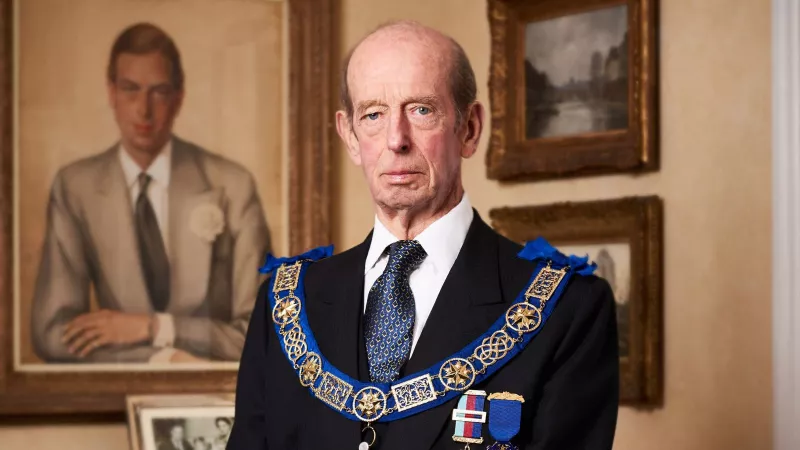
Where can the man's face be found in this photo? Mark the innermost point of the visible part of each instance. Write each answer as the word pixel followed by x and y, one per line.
pixel 403 127
pixel 177 433
pixel 223 428
pixel 144 100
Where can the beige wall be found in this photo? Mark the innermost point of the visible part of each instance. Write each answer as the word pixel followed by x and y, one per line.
pixel 65 437
pixel 715 181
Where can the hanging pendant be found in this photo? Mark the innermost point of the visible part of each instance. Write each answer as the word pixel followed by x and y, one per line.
pixel 505 413
pixel 364 445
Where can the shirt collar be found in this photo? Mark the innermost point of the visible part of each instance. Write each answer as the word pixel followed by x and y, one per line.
pixel 442 240
pixel 159 170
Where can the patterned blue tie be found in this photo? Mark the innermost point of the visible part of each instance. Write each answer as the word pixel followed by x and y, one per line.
pixel 389 318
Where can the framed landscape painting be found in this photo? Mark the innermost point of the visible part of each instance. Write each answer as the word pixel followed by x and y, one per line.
pixel 573 87
pixel 624 238
pixel 153 153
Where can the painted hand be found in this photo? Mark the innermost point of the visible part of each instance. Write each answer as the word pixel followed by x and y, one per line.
pixel 94 330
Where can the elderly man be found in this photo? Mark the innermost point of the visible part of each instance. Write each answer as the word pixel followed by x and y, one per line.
pixel 435 332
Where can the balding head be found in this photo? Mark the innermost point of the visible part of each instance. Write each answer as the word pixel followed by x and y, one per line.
pixel 409 118
pixel 460 76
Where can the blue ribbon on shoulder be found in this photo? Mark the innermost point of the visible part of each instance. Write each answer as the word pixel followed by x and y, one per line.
pixel 539 248
pixel 314 254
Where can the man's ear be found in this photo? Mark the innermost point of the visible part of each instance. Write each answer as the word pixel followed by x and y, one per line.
pixel 178 102
pixel 471 130
pixel 345 129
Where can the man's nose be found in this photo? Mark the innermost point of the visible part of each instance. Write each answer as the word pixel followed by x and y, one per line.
pixel 397 136
pixel 144 105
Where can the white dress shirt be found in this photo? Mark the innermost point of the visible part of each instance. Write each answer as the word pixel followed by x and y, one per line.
pixel 442 241
pixel 158 194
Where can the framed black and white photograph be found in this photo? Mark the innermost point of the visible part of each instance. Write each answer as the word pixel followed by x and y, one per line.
pixel 184 422
pixel 573 88
pixel 576 73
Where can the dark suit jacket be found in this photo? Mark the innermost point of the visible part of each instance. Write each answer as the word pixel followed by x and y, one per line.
pixel 568 374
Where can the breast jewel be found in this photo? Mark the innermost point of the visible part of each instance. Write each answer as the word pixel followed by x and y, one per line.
pixel 418 392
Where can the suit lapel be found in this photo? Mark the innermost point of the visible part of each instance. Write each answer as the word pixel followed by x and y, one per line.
pixel 471 299
pixel 335 300
pixel 334 292
pixel 117 250
pixel 192 206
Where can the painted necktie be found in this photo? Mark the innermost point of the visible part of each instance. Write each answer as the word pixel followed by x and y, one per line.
pixel 391 312
pixel 153 255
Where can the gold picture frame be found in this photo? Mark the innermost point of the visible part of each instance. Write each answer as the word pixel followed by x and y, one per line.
pixel 573 88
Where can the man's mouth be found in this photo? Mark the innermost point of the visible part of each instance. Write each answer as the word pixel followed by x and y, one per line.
pixel 401 176
pixel 143 129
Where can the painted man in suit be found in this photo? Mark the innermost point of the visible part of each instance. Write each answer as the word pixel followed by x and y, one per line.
pixel 168 235
pixel 409 117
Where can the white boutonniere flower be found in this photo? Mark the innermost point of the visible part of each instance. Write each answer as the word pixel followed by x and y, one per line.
pixel 207 221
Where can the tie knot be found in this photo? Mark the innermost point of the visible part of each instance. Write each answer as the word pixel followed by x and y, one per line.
pixel 405 256
pixel 144 181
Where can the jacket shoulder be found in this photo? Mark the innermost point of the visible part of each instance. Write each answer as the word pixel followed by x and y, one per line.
pixel 590 289
pixel 337 266
pixel 216 164
pixel 83 172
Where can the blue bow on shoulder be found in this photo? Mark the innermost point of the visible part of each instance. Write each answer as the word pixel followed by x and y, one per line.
pixel 539 248
pixel 314 254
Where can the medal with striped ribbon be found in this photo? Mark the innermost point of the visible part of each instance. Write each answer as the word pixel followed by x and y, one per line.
pixel 468 418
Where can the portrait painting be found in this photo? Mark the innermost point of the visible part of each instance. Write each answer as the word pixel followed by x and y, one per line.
pixel 156 158
pixel 190 422
pixel 623 238
pixel 572 88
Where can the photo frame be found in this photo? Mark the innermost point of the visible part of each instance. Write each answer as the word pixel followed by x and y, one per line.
pixel 268 112
pixel 573 88
pixel 199 421
pixel 625 238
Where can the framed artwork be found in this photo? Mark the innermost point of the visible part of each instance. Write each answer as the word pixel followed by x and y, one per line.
pixel 573 87
pixel 168 422
pixel 624 238
pixel 153 153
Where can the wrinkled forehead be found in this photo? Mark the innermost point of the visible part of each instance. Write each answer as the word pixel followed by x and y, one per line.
pixel 389 68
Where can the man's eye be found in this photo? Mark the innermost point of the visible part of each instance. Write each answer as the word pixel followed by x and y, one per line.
pixel 423 110
pixel 162 91
pixel 372 116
